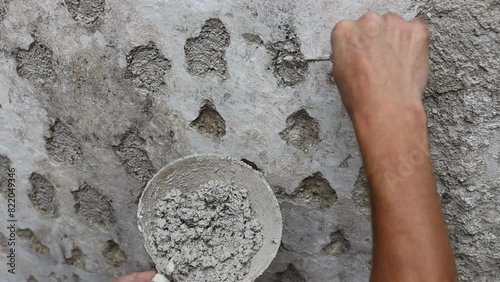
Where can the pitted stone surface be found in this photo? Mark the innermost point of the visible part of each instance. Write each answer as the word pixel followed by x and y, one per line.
pixel 463 105
pixel 85 97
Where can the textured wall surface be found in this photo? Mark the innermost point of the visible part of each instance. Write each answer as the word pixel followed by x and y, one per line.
pixel 97 95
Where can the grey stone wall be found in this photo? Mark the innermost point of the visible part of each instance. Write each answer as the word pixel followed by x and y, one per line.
pixel 96 96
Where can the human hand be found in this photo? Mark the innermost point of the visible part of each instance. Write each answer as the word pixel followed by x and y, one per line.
pixel 381 65
pixel 145 276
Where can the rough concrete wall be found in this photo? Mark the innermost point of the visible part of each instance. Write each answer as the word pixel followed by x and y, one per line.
pixel 97 95
pixel 463 103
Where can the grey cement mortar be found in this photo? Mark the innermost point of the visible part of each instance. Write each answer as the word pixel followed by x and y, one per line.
pixel 30 238
pixel 209 122
pixel 192 173
pixel 3 244
pixel 43 195
pixel 146 67
pixel 206 53
pixel 5 165
pixel 209 234
pixel 314 191
pixel 35 63
pixel 133 156
pixel 338 244
pixel 114 254
pixel 290 66
pixel 75 258
pixel 3 9
pixel 302 131
pixel 360 194
pixel 290 274
pixel 93 206
pixel 62 144
pixel 79 79
pixel 85 12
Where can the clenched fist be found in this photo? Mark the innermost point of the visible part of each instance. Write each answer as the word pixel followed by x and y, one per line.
pixel 380 64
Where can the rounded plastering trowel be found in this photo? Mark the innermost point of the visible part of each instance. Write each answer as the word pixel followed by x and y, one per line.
pixel 196 170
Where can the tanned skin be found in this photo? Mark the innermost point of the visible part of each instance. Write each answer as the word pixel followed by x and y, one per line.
pixel 145 276
pixel 381 66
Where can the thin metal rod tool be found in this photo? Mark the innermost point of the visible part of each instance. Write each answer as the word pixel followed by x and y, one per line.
pixel 322 59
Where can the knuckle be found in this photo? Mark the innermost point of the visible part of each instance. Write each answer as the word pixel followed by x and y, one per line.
pixel 395 22
pixel 371 24
pixel 422 29
pixel 393 18
pixel 339 28
pixel 370 16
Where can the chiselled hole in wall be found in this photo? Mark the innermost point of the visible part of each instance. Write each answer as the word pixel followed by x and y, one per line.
pixel 345 162
pixel 302 131
pixel 338 244
pixel 42 195
pixel 206 54
pixel 291 274
pixel 113 254
pixel 76 258
pixel 446 198
pixel 85 12
pixel 35 64
pixel 3 9
pixel 331 78
pixel 360 194
pixel 76 278
pixel 209 122
pixel 62 145
pixel 146 67
pixel 32 279
pixel 252 164
pixel 131 152
pixel 93 205
pixel 289 65
pixel 54 277
pixel 315 190
pixel 29 236
pixel 3 244
pixel 253 38
pixel 5 164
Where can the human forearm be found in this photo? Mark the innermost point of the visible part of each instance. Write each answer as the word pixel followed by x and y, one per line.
pixel 381 65
pixel 410 237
